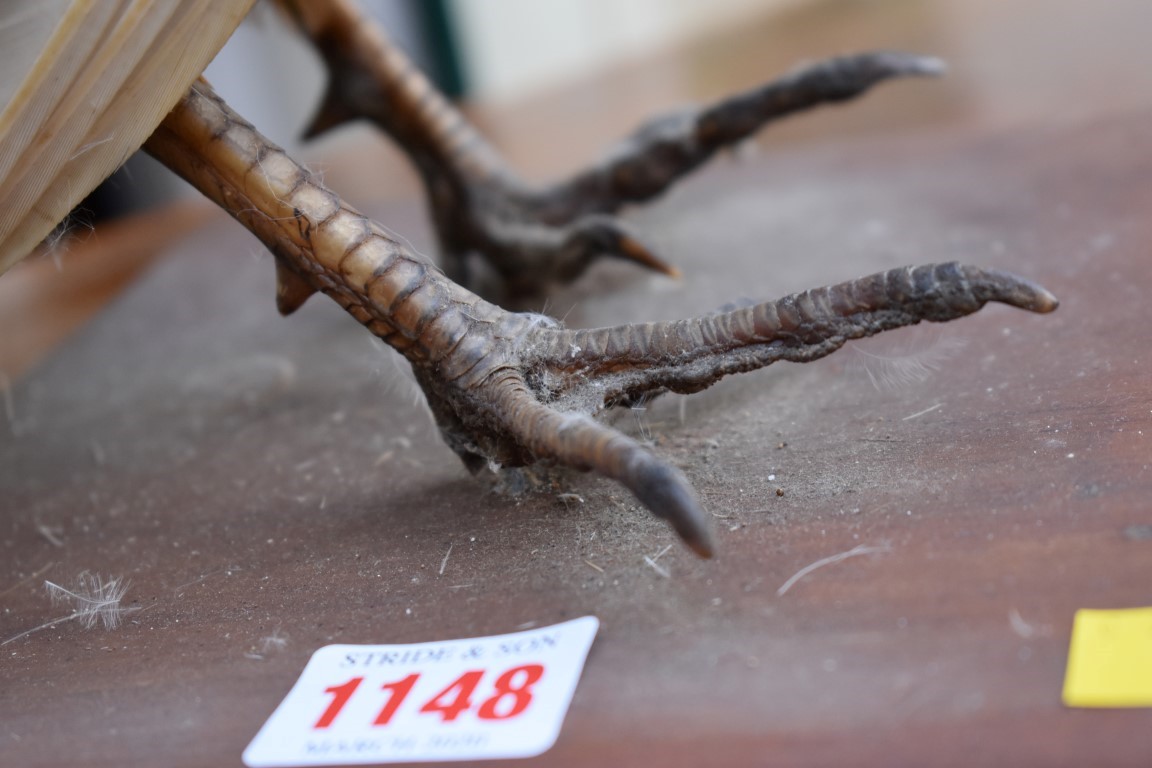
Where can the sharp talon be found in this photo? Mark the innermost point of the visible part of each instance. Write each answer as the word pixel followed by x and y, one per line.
pixel 894 63
pixel 332 114
pixel 697 537
pixel 927 66
pixel 702 547
pixel 597 236
pixel 292 290
pixel 635 251
pixel 1022 293
pixel 1045 302
pixel 666 492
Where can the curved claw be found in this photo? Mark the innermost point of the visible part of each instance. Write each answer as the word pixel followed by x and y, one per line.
pixel 595 236
pixel 1016 291
pixel 576 440
pixel 531 257
pixel 665 491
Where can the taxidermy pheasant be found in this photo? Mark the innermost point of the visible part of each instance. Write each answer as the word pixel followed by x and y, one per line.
pixel 90 81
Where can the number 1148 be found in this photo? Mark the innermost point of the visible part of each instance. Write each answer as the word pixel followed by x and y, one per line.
pixel 512 695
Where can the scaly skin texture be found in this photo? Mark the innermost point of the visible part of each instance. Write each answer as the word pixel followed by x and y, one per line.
pixel 518 388
pixel 535 236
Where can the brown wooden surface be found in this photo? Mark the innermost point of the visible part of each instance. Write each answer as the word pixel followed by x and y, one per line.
pixel 257 477
pixel 45 299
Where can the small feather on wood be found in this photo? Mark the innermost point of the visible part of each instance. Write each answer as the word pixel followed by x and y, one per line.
pixel 93 599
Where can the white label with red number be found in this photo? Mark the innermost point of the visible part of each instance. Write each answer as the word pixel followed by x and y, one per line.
pixel 488 697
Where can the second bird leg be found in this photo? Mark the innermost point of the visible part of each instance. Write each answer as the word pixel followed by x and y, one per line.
pixel 534 236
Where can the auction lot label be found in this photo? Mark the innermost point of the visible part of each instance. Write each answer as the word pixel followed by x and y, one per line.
pixel 483 698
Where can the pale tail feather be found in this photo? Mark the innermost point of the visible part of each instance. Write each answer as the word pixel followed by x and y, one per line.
pixel 86 86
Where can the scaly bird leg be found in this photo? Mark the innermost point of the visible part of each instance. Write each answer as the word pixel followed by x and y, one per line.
pixel 518 388
pixel 534 236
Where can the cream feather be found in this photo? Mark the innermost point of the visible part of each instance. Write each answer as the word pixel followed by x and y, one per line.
pixel 84 83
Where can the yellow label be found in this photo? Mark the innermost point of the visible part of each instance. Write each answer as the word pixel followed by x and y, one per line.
pixel 1110 659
